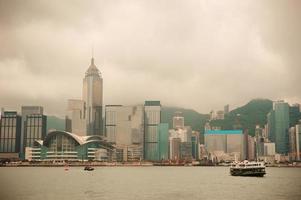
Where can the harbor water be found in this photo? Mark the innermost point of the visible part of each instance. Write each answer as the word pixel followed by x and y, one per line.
pixel 146 183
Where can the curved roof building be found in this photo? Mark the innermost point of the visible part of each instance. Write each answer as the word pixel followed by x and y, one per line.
pixel 62 145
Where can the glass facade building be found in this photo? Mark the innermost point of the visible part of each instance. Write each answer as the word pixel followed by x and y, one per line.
pixel 227 141
pixel 10 133
pixel 34 129
pixel 93 98
pixel 152 118
pixel 163 141
pixel 61 145
pixel 278 126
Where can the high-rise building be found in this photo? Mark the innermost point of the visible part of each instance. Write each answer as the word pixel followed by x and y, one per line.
pixel 93 97
pixel 271 126
pixel 251 148
pixel 84 117
pixel 259 139
pixel 10 135
pixel 195 144
pixel 163 141
pixel 269 149
pixel 152 118
pixel 226 109
pixel 178 120
pixel 298 140
pixel 226 141
pixel 124 125
pixel 174 148
pixel 76 117
pixel 278 125
pixel 295 142
pixel 34 124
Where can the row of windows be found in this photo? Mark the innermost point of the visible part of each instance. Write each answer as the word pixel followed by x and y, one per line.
pixel 8 132
pixel 8 145
pixel 111 117
pixel 34 121
pixel 152 117
pixel 8 121
pixel 60 143
pixel 29 142
pixel 34 132
pixel 151 151
pixel 151 134
pixel 111 133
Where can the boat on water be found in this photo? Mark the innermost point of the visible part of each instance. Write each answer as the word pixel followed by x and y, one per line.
pixel 247 168
pixel 88 168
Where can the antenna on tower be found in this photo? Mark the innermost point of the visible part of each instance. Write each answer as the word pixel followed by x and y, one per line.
pixel 92 50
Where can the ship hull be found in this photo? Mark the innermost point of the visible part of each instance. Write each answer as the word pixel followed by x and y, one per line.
pixel 258 172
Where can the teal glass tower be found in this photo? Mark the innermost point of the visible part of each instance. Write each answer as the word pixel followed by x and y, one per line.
pixel 163 141
pixel 281 126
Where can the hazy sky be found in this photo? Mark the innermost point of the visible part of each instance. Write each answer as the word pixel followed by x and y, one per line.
pixel 194 54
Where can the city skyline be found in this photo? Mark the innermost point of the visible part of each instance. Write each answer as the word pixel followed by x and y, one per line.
pixel 197 54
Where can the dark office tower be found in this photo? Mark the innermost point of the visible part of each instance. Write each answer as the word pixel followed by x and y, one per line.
pixel 152 119
pixel 278 125
pixel 93 98
pixel 10 135
pixel 33 126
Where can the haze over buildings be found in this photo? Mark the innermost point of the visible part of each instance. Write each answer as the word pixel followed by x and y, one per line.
pixel 195 54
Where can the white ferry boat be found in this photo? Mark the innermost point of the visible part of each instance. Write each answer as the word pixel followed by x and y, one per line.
pixel 247 168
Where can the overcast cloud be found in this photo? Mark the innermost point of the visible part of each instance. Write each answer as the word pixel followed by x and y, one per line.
pixel 193 54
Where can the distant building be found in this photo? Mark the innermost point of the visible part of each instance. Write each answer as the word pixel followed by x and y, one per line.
pixel 226 109
pixel 195 144
pixel 10 134
pixel 251 148
pixel 174 148
pixel 152 118
pixel 178 120
pixel 185 151
pixel 226 141
pixel 185 136
pixel 93 97
pixel 61 145
pixel 269 149
pixel 124 127
pixel 163 141
pixel 84 117
pixel 295 142
pixel 76 117
pixel 259 139
pixel 278 125
pixel 34 124
pixel 298 141
pixel 220 115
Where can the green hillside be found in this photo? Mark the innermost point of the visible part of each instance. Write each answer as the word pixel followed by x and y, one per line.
pixel 246 117
pixel 54 122
pixel 192 118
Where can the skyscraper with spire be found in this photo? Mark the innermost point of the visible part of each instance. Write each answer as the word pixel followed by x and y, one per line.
pixel 93 97
pixel 84 117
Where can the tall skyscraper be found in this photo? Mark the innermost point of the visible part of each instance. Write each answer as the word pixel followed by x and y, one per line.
pixel 278 126
pixel 10 135
pixel 195 144
pixel 93 97
pixel 34 124
pixel 163 141
pixel 226 141
pixel 226 109
pixel 178 120
pixel 152 119
pixel 124 124
pixel 84 117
